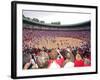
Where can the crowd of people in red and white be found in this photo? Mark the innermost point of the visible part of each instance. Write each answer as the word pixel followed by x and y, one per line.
pixel 69 56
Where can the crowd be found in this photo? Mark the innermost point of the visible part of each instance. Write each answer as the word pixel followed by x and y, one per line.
pixel 55 57
pixel 53 39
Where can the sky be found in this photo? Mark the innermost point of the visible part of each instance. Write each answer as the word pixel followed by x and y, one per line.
pixel 66 18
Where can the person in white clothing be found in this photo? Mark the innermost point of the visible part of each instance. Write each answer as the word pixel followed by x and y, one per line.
pixel 68 62
pixel 54 65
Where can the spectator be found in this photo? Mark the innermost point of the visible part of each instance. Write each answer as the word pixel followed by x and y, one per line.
pixel 54 62
pixel 68 63
pixel 42 60
pixel 78 61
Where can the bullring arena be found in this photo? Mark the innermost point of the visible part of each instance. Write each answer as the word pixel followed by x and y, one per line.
pixel 48 43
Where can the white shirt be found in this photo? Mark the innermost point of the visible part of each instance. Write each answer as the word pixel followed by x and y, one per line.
pixel 54 65
pixel 69 64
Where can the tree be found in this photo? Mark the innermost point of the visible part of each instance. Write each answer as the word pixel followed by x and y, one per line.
pixel 28 18
pixel 23 16
pixel 58 23
pixel 35 19
pixel 42 22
